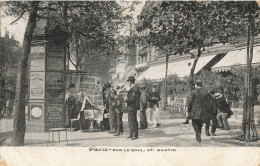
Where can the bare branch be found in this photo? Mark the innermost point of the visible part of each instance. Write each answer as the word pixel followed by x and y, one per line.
pixel 18 17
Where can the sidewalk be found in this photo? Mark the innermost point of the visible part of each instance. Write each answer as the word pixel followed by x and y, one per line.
pixel 170 133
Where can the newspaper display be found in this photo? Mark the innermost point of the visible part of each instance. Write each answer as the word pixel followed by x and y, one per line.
pixel 92 87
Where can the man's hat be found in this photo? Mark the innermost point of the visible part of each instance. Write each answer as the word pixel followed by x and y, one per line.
pixel 131 78
pixel 142 86
pixel 117 87
pixel 218 95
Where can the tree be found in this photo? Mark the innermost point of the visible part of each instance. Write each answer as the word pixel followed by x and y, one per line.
pixel 95 21
pixel 19 116
pixel 178 28
pixel 181 27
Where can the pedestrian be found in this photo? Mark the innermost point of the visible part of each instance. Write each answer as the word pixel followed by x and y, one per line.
pixel 71 106
pixel 224 111
pixel 118 106
pixel 82 123
pixel 211 115
pixel 197 107
pixel 105 93
pixel 112 113
pixel 143 106
pixel 154 98
pixel 133 104
pixel 187 119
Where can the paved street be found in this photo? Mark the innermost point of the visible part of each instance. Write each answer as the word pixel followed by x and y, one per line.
pixel 170 133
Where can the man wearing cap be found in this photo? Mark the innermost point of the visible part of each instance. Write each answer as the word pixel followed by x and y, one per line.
pixel 133 104
pixel 143 107
pixel 154 98
pixel 197 107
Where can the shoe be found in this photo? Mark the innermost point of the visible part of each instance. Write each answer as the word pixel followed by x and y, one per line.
pixel 129 137
pixel 158 124
pixel 116 134
pixel 207 134
pixel 198 137
pixel 186 122
pixel 221 128
pixel 134 138
pixel 227 129
pixel 213 134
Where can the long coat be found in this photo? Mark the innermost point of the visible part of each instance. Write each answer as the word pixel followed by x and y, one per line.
pixel 198 103
pixel 133 99
pixel 212 108
pixel 118 103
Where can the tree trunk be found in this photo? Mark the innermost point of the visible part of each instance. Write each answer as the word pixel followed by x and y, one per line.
pixel 191 78
pixel 166 82
pixel 249 132
pixel 77 53
pixel 2 64
pixel 19 116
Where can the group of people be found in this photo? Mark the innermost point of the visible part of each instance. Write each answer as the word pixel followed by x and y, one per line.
pixel 76 104
pixel 137 98
pixel 203 107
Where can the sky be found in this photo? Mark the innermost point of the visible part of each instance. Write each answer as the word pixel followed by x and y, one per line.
pixel 18 28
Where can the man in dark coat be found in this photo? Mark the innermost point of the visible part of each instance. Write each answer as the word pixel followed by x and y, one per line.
pixel 133 104
pixel 118 105
pixel 211 115
pixel 112 113
pixel 143 107
pixel 197 107
pixel 224 111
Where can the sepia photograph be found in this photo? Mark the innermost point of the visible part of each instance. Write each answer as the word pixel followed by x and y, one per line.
pixel 139 76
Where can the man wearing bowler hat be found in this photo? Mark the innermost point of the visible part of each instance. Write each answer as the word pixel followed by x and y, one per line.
pixel 197 107
pixel 133 104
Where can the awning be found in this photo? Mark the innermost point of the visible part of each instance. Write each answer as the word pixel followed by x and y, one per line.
pixel 237 58
pixel 180 68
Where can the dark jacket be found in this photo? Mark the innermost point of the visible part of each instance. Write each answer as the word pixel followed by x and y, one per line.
pixel 118 103
pixel 144 100
pixel 223 106
pixel 198 103
pixel 212 108
pixel 133 99
pixel 111 98
pixel 154 98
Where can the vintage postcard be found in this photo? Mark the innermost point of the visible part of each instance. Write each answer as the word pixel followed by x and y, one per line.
pixel 129 83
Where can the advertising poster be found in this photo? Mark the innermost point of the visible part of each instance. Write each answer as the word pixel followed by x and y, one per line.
pixel 98 115
pixel 37 58
pixel 54 85
pixel 54 112
pixel 89 114
pixel 36 85
pixel 55 59
pixel 36 111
